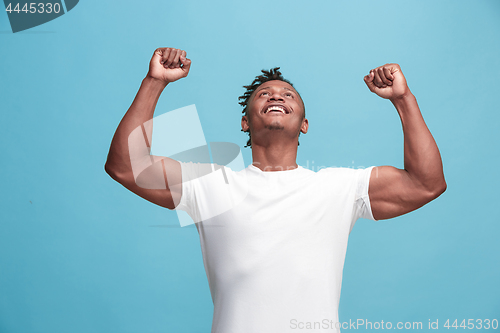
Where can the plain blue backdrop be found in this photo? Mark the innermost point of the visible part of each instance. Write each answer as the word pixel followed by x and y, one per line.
pixel 80 253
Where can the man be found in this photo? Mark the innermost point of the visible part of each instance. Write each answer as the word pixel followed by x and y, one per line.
pixel 274 263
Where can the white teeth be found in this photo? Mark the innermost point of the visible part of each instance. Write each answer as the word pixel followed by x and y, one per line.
pixel 275 108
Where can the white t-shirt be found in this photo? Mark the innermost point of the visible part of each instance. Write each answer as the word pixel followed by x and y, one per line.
pixel 274 243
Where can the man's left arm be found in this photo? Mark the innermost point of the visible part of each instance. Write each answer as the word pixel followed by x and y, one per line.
pixel 393 191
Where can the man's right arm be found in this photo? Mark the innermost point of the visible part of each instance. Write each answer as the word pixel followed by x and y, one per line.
pixel 154 178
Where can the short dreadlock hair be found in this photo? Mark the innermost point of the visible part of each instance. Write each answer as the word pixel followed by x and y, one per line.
pixel 270 75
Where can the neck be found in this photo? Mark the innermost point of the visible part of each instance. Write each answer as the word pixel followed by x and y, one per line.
pixel 278 156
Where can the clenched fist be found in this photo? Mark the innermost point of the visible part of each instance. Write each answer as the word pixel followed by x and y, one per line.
pixel 169 65
pixel 387 82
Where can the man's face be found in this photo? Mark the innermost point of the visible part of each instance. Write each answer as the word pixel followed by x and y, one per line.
pixel 275 107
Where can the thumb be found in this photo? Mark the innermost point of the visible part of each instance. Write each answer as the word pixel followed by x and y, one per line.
pixel 186 63
pixel 157 55
pixel 369 81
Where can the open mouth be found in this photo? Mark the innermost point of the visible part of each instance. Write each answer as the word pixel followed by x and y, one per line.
pixel 276 108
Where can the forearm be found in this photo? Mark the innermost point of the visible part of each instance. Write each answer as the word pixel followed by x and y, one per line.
pixel 140 112
pixel 422 159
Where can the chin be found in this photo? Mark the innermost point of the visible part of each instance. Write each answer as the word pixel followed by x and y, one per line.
pixel 275 126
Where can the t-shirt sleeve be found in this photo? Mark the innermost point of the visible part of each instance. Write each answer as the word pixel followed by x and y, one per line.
pixel 191 173
pixel 209 190
pixel 363 207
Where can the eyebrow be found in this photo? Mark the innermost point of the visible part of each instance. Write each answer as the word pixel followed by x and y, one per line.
pixel 270 87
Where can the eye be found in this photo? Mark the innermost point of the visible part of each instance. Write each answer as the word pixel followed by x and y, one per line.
pixel 289 95
pixel 264 93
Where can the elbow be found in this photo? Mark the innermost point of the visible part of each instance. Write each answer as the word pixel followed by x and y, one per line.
pixel 108 169
pixel 111 171
pixel 444 187
pixel 120 176
pixel 437 190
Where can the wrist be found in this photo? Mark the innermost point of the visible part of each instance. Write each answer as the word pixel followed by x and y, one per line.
pixel 154 82
pixel 403 99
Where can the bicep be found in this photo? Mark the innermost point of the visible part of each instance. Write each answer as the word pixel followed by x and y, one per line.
pixel 393 192
pixel 158 181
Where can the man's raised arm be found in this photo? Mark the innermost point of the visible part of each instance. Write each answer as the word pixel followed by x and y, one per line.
pixel 129 161
pixel 393 191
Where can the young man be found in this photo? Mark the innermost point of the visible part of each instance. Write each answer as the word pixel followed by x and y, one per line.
pixel 274 263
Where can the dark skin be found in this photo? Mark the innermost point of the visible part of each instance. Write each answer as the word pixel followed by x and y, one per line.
pixel 164 68
pixel 394 191
pixel 275 133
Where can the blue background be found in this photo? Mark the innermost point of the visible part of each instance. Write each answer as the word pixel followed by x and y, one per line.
pixel 79 253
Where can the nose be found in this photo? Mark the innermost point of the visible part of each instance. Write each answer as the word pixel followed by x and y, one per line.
pixel 275 96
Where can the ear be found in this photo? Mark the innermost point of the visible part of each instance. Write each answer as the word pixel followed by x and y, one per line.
pixel 244 124
pixel 305 126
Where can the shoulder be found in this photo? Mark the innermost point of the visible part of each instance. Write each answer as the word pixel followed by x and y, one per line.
pixel 338 172
pixel 345 176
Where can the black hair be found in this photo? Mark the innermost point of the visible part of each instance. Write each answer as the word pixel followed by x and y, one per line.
pixel 270 75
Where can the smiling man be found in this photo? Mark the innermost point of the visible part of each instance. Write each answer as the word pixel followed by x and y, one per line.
pixel 274 115
pixel 274 254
